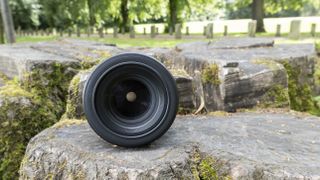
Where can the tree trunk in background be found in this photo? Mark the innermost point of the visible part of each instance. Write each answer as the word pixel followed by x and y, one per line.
pixel 173 14
pixel 1 31
pixel 92 19
pixel 124 15
pixel 7 21
pixel 258 14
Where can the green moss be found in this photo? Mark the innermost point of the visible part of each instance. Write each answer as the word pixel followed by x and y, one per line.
pixel 275 97
pixel 12 89
pixel 184 111
pixel 210 74
pixel 300 94
pixel 50 83
pixel 204 167
pixel 179 72
pixel 317 72
pixel 68 122
pixel 73 99
pixel 21 118
pixel 25 110
pixel 89 61
pixel 3 77
pixel 318 47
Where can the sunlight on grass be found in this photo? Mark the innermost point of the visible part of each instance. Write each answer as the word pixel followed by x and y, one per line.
pixel 36 38
pixel 166 41
pixel 140 42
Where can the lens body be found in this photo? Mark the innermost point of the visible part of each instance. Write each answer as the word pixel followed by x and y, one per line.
pixel 130 100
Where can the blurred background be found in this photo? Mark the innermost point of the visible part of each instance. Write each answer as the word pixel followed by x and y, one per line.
pixel 36 20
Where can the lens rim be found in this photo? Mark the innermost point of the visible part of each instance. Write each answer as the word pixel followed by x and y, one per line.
pixel 148 121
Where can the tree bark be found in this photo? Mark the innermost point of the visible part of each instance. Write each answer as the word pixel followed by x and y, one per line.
pixel 124 15
pixel 7 21
pixel 173 14
pixel 258 14
pixel 92 19
pixel 1 31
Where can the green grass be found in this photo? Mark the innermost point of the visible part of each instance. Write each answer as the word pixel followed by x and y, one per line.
pixel 35 38
pixel 141 42
pixel 121 42
pixel 318 46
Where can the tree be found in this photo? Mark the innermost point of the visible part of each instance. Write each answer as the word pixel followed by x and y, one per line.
pixel 25 13
pixel 258 9
pixel 1 31
pixel 175 10
pixel 258 14
pixel 179 10
pixel 124 11
pixel 7 21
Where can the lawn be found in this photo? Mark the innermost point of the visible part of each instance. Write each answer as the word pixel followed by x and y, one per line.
pixel 162 40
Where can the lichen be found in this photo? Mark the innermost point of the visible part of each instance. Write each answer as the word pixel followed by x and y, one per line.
pixel 210 74
pixel 205 167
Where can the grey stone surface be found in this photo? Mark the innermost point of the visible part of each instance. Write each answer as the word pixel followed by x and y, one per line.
pixel 250 145
pixel 16 60
pixel 248 69
pixel 252 27
pixel 226 43
pixel 177 31
pixel 295 29
pixel 209 30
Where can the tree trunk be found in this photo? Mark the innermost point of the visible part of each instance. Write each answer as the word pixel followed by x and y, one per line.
pixel 173 14
pixel 91 9
pixel 258 14
pixel 1 31
pixel 7 21
pixel 124 15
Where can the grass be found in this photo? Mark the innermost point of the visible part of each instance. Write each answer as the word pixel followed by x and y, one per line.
pixel 318 46
pixel 141 42
pixel 35 38
pixel 164 40
pixel 121 42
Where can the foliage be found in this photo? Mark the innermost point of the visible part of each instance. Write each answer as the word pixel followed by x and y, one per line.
pixel 26 13
pixel 273 8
